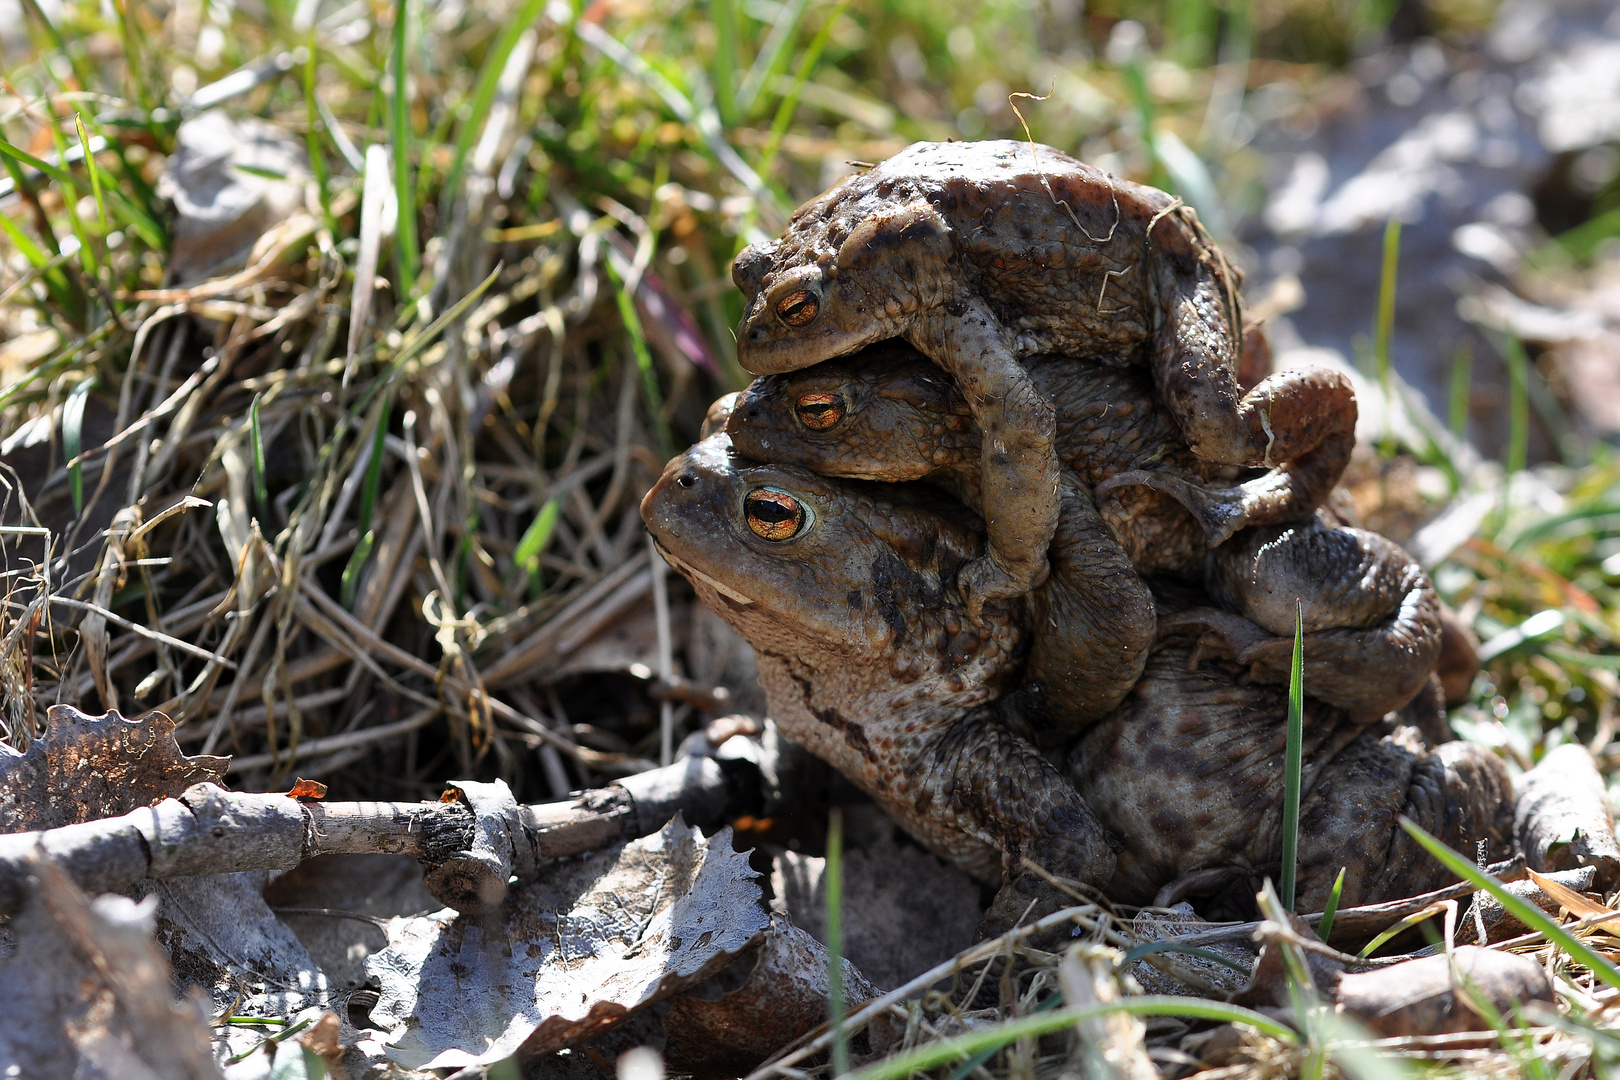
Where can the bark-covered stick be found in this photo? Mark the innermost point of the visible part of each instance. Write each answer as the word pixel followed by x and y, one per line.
pixel 1563 820
pixel 468 848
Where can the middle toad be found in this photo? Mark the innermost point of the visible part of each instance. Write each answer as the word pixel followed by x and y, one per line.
pixel 1371 617
pixel 982 253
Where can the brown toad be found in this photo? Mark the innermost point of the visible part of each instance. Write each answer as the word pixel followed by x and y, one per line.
pixel 1188 771
pixel 847 591
pixel 1371 615
pixel 848 594
pixel 980 254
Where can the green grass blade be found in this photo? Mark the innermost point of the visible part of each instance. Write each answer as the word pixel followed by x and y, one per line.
pixel 58 362
pixel 70 209
pixel 1190 179
pixel 643 355
pixel 256 437
pixel 1462 384
pixel 832 883
pixel 533 542
pixel 1291 764
pixel 1325 927
pixel 1189 29
pixel 428 336
pixel 725 60
pixel 1399 928
pixel 368 490
pixel 963 1070
pixel 31 251
pixel 1518 403
pixel 94 171
pixel 351 569
pixel 138 220
pixel 1385 327
pixel 312 136
pixel 1135 77
pixel 489 79
pixel 790 100
pixel 1527 913
pixel 773 58
pixel 945 1051
pixel 73 439
pixel 407 255
pixel 1149 948
pixel 43 21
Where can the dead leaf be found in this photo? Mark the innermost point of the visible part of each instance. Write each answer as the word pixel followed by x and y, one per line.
pixel 88 995
pixel 567 957
pixel 905 909
pixel 89 767
pixel 322 1037
pixel 231 180
pixel 1419 997
pixel 761 1003
pixel 307 789
pixel 223 938
pixel 1576 904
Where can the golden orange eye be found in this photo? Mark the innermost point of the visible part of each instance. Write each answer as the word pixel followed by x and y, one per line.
pixel 774 515
pixel 820 410
pixel 798 308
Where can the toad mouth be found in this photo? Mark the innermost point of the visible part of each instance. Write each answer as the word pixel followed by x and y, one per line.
pixel 687 568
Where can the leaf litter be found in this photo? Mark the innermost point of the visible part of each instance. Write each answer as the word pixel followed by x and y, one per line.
pixel 391 555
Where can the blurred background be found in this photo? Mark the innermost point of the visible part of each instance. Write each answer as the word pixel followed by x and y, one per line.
pixel 340 338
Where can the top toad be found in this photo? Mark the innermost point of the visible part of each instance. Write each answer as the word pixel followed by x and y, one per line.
pixel 982 253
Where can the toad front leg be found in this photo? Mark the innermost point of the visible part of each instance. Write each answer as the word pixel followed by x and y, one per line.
pixel 990 782
pixel 1094 625
pixel 1018 455
pixel 1282 420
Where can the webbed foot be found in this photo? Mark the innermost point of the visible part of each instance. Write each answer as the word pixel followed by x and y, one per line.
pixel 1219 511
pixel 1220 634
pixel 1289 494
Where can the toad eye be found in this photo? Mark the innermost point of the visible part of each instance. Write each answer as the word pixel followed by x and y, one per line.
pixel 774 515
pixel 820 410
pixel 798 308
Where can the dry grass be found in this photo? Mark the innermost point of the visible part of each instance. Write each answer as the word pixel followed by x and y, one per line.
pixel 347 508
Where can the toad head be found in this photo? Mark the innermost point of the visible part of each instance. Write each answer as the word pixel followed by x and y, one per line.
pixel 888 414
pixel 849 270
pixel 840 575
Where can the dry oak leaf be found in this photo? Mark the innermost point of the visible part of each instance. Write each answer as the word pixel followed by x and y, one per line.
pixel 567 957
pixel 89 996
pixel 88 767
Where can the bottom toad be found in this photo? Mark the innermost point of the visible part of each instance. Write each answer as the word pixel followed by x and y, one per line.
pixel 848 593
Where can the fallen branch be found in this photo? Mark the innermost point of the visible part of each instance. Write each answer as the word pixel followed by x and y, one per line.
pixel 469 846
pixel 1563 820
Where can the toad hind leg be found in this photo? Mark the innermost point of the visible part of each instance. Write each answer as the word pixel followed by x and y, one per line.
pixel 996 784
pixel 1195 353
pixel 1371 617
pixel 1018 458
